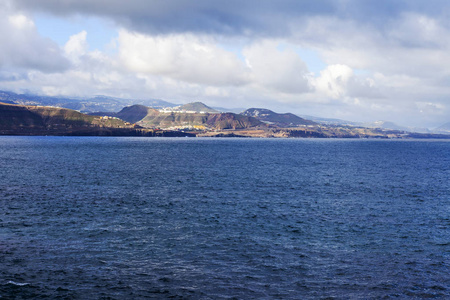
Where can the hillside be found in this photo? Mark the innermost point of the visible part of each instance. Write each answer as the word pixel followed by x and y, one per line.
pixel 151 118
pixel 271 117
pixel 196 107
pixel 133 113
pixel 15 117
pixel 40 120
pixel 231 121
pixel 444 128
pixel 197 120
pixel 19 118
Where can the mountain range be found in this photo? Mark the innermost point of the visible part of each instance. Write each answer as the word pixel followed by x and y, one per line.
pixel 84 105
pixel 150 113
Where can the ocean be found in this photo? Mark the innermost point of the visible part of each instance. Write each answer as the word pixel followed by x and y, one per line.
pixel 205 218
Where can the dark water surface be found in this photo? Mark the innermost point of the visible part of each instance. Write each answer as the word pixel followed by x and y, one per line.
pixel 132 218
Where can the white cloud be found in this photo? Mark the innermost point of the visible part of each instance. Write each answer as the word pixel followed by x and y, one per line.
pixel 430 107
pixel 184 57
pixel 76 46
pixel 333 81
pixel 413 44
pixel 23 47
pixel 21 22
pixel 275 68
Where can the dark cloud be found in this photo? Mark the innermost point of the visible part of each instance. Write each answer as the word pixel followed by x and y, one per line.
pixel 383 14
pixel 234 17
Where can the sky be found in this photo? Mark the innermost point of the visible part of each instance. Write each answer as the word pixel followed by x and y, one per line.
pixel 358 60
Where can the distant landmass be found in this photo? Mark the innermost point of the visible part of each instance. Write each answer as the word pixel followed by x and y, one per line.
pixel 376 124
pixel 331 121
pixel 282 120
pixel 392 125
pixel 444 128
pixel 139 120
pixel 235 110
pixel 102 115
pixel 84 105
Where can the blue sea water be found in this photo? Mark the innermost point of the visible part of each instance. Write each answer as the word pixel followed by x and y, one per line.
pixel 146 218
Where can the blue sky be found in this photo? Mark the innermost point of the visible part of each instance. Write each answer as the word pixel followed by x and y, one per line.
pixel 100 31
pixel 356 60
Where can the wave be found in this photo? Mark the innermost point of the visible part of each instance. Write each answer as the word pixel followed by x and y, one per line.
pixel 17 283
